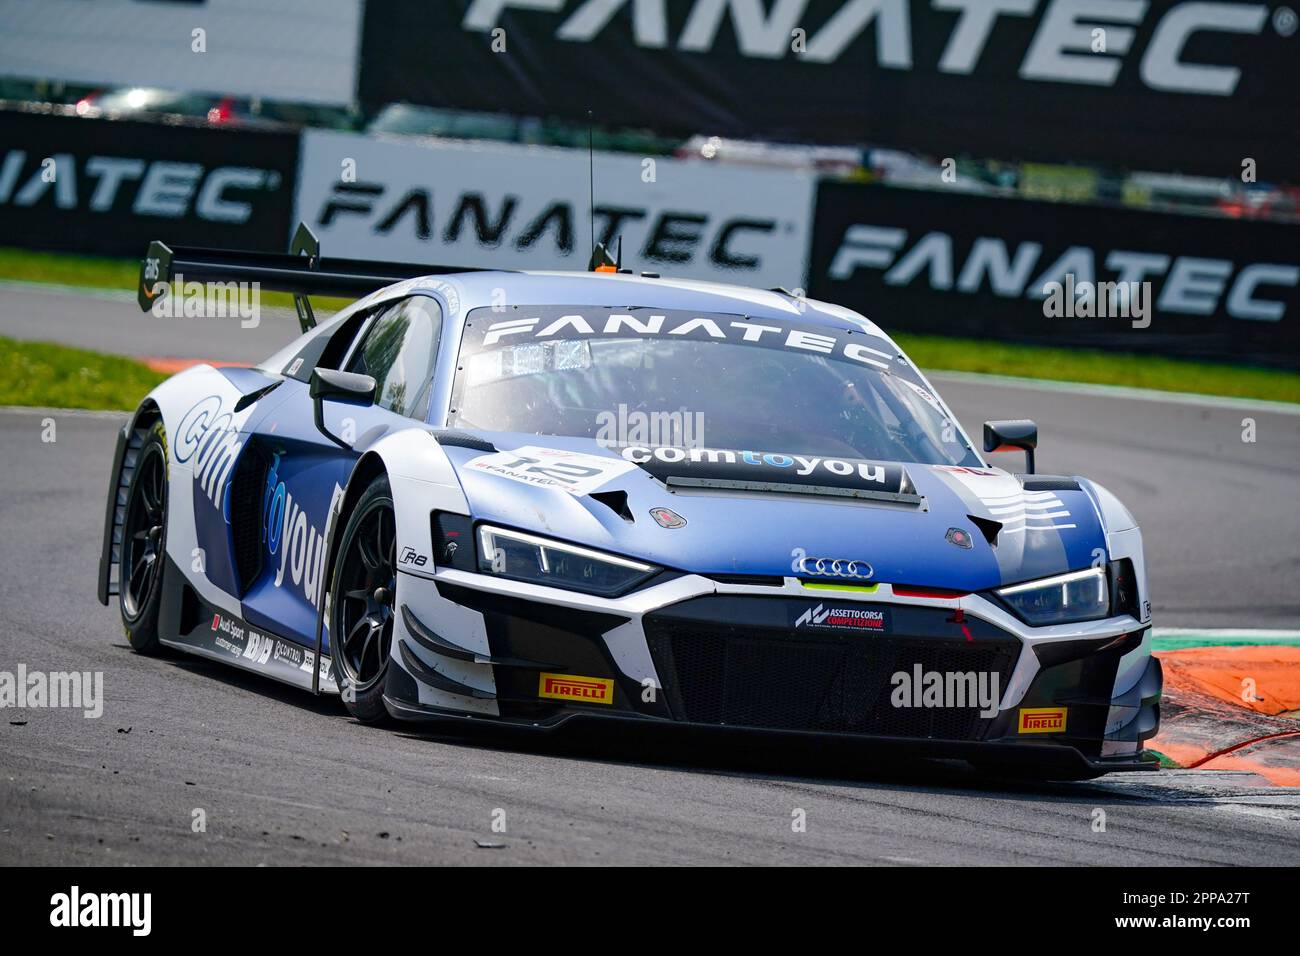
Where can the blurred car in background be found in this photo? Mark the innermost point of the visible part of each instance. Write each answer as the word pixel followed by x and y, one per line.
pixel 834 159
pixel 142 102
pixel 406 119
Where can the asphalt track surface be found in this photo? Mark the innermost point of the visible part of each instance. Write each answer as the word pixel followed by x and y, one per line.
pixel 282 778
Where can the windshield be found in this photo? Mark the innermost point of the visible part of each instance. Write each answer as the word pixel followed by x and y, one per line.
pixel 688 379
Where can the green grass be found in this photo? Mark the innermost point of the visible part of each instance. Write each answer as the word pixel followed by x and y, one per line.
pixel 929 352
pixel 1101 368
pixel 61 269
pixel 98 272
pixel 1166 763
pixel 1182 642
pixel 40 374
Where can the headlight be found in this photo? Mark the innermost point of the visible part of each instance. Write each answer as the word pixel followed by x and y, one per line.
pixel 1063 599
pixel 526 557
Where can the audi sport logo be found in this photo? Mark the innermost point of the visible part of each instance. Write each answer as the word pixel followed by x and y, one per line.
pixel 833 568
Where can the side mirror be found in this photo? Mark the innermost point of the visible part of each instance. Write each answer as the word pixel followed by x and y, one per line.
pixel 343 386
pixel 1011 436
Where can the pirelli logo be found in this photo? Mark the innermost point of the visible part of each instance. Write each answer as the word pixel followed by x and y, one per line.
pixel 582 690
pixel 1042 720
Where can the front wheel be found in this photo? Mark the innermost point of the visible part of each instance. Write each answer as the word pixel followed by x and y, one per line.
pixel 361 602
pixel 144 542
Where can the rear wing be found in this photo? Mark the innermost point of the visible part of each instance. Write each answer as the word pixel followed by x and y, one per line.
pixel 302 271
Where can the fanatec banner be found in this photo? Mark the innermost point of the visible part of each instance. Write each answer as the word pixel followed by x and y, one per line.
pixel 110 187
pixel 1182 85
pixel 1060 274
pixel 521 207
pixel 298 51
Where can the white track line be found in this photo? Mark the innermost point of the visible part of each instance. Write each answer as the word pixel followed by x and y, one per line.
pixel 65 412
pixel 1263 634
pixel 1116 391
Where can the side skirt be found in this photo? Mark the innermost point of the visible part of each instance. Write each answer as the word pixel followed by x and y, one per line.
pixel 188 623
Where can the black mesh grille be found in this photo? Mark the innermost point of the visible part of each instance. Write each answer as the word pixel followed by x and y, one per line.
pixel 758 677
pixel 246 490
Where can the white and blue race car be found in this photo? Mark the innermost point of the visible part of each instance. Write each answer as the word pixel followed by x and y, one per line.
pixel 535 498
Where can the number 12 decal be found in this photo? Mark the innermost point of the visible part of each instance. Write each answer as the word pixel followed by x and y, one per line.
pixel 570 471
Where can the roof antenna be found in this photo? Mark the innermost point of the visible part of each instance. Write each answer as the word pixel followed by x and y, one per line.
pixel 601 260
pixel 591 180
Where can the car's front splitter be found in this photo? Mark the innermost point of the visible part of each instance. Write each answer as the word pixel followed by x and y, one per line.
pixel 1040 756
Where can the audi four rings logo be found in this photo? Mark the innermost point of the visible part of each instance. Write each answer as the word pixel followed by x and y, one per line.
pixel 834 568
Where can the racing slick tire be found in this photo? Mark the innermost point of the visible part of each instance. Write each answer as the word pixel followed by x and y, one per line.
pixel 361 602
pixel 144 544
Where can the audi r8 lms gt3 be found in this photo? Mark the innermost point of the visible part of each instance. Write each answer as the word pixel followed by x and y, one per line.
pixel 536 498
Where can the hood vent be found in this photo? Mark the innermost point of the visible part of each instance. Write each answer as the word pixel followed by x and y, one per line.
pixel 988 527
pixel 615 501
pixel 449 436
pixel 1048 483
